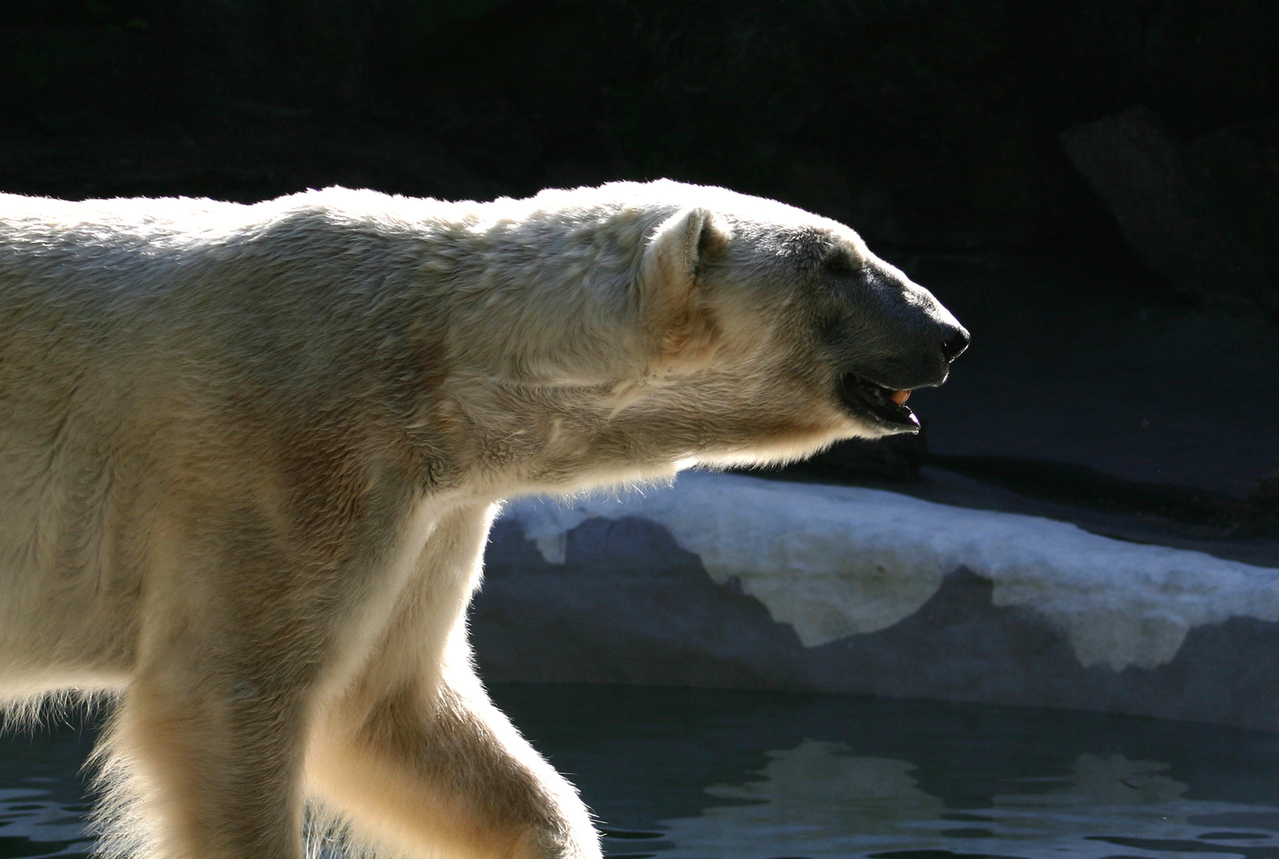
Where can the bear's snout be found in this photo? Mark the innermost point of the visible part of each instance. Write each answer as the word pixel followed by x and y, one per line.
pixel 955 344
pixel 896 337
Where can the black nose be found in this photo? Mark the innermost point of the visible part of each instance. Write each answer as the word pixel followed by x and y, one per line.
pixel 955 344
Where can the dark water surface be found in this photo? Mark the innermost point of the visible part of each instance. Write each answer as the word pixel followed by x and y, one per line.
pixel 680 774
pixel 43 791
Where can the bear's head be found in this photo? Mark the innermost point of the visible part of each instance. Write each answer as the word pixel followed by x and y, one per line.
pixel 637 328
pixel 786 313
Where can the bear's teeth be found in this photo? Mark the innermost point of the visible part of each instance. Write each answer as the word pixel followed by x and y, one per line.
pixel 899 397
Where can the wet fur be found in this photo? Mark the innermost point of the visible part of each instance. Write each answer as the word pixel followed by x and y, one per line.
pixel 249 456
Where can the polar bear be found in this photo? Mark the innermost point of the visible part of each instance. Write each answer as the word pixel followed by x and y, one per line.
pixel 249 457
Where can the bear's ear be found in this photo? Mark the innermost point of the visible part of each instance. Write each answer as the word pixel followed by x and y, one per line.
pixel 669 299
pixel 681 244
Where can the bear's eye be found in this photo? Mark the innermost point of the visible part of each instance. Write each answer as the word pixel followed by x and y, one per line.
pixel 841 261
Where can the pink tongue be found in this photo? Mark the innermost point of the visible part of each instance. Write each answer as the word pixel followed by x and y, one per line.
pixel 899 397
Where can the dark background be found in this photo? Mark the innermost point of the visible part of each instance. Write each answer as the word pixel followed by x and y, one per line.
pixel 1092 185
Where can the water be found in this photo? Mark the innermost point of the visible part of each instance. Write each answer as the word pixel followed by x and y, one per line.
pixel 680 774
pixel 42 792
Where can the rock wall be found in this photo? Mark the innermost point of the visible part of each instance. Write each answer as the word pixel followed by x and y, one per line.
pixel 925 124
pixel 1205 218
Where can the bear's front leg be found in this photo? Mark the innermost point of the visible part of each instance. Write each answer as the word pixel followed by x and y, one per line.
pixel 203 758
pixel 442 772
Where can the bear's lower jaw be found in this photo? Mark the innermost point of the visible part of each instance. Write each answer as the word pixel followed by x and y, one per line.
pixel 882 407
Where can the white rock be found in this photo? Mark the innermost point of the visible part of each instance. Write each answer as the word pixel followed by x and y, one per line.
pixel 835 561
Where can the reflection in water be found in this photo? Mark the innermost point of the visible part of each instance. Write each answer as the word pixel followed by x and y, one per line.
pixel 819 801
pixel 680 774
pixel 713 775
pixel 814 800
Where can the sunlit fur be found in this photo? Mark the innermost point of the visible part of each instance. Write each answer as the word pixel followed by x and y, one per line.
pixel 249 456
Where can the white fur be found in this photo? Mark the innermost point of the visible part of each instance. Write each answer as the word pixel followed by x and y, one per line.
pixel 249 456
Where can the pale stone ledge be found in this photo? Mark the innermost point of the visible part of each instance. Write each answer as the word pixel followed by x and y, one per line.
pixel 735 581
pixel 835 561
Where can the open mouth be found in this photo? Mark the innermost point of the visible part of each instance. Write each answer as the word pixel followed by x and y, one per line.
pixel 883 406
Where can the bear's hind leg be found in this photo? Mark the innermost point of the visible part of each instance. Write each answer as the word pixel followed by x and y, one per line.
pixel 444 773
